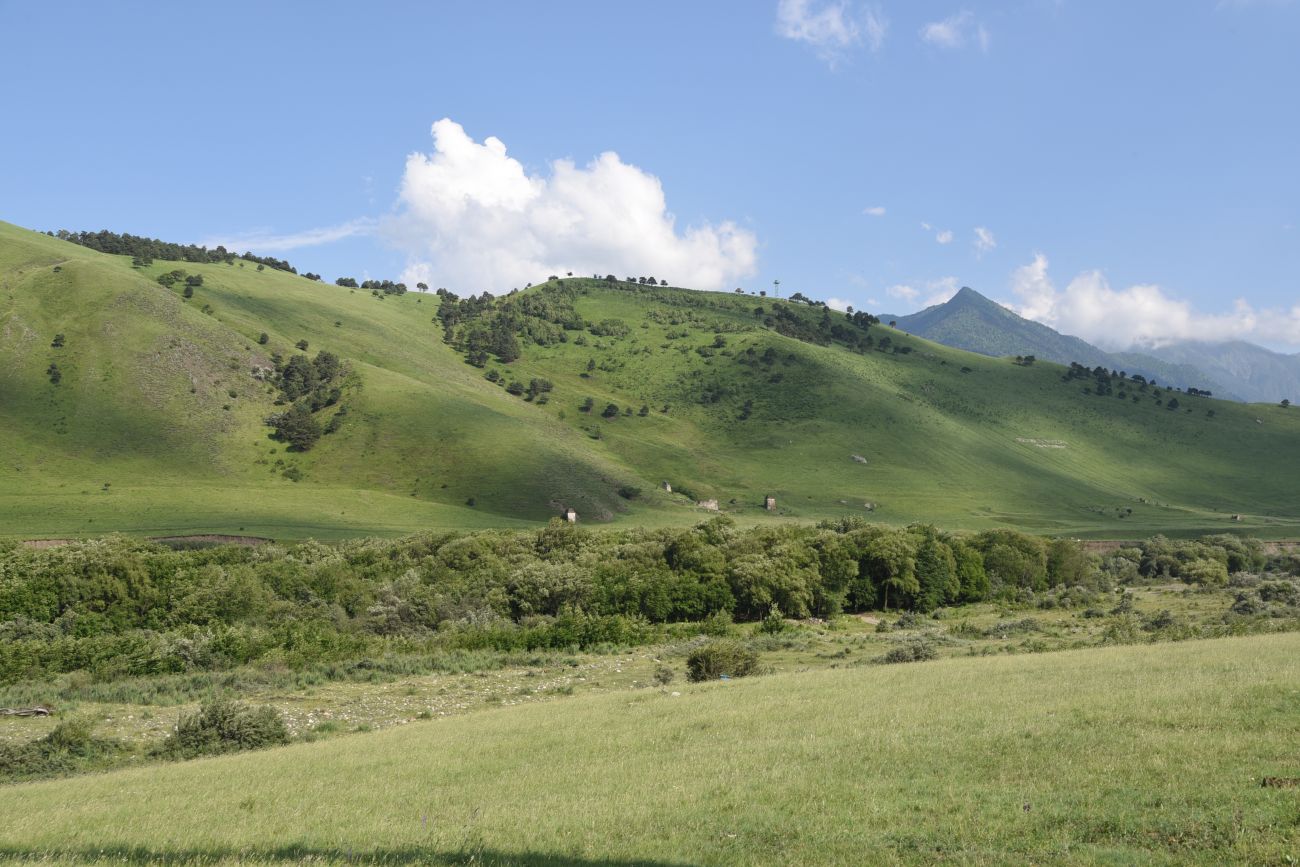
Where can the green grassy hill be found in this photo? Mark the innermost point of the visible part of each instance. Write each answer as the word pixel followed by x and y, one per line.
pixel 157 423
pixel 1153 755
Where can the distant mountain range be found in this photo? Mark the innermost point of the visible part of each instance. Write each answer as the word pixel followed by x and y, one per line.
pixel 1256 373
pixel 1231 369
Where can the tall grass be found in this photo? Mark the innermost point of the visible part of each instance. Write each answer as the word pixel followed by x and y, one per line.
pixel 1125 755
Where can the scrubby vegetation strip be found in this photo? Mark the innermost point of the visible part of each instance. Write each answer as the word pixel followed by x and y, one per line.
pixel 123 608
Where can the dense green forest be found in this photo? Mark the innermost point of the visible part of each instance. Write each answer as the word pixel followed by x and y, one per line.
pixel 116 607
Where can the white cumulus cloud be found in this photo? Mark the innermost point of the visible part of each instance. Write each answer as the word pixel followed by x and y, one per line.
pixel 471 217
pixel 1140 315
pixel 944 237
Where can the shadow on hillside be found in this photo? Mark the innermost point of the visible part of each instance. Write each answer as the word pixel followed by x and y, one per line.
pixel 311 854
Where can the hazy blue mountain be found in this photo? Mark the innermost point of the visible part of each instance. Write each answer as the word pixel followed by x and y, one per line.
pixel 972 322
pixel 1253 372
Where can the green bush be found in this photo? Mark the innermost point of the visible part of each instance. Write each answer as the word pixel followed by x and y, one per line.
pixel 1281 592
pixel 69 748
pixel 718 624
pixel 916 650
pixel 721 658
pixel 71 735
pixel 774 622
pixel 224 726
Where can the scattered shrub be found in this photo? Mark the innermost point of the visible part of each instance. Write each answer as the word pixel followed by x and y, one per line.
pixel 721 658
pixel 1023 626
pixel 1124 628
pixel 69 748
pixel 1248 602
pixel 908 620
pixel 718 624
pixel 225 726
pixel 773 623
pixel 1159 621
pixel 1280 592
pixel 913 650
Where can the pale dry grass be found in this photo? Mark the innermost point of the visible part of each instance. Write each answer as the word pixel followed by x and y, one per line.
pixel 1148 754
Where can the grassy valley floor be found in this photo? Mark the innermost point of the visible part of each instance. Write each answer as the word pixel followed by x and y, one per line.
pixel 1148 754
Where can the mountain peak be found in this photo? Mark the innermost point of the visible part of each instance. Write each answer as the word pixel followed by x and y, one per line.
pixel 968 297
pixel 976 323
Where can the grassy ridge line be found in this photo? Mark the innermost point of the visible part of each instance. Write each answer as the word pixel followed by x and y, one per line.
pixel 426 432
pixel 412 419
pixel 1148 754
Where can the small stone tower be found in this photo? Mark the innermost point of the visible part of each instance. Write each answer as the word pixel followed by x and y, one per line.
pixel 571 516
pixel 769 503
pixel 667 487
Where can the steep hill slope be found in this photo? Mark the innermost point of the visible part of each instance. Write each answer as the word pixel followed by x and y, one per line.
pixel 724 396
pixel 972 322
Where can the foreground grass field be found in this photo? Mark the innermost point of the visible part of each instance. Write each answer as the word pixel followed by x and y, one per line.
pixel 1131 755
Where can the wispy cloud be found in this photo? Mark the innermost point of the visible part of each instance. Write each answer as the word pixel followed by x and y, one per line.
pixel 875 211
pixel 984 241
pixel 265 240
pixel 876 26
pixel 903 292
pixel 940 290
pixel 930 293
pixel 956 31
pixel 944 237
pixel 831 28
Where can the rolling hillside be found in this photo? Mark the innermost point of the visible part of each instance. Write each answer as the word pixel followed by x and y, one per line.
pixel 156 424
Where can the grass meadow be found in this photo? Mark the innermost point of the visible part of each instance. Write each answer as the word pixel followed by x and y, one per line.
pixel 1148 754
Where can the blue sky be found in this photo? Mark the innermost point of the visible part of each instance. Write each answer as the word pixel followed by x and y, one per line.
pixel 1125 171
